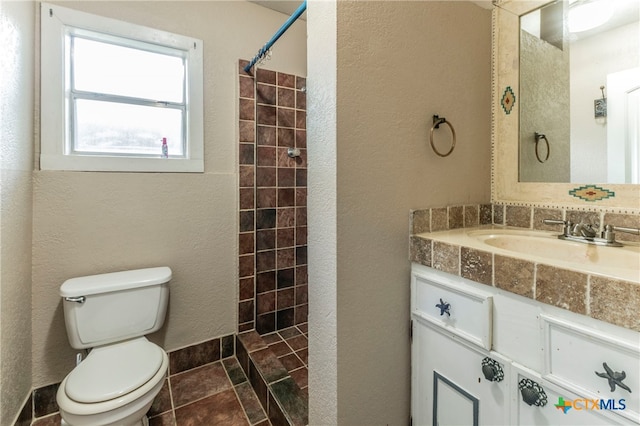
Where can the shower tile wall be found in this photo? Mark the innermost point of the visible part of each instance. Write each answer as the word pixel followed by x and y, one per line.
pixel 273 201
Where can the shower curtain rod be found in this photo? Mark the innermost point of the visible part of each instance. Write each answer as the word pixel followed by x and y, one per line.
pixel 299 11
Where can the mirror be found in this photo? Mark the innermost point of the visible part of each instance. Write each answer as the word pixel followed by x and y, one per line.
pixel 580 92
pixel 591 192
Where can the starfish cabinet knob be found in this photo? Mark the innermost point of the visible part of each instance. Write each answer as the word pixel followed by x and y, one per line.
pixel 444 308
pixel 614 378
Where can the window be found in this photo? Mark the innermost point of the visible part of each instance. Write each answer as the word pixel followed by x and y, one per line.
pixel 112 91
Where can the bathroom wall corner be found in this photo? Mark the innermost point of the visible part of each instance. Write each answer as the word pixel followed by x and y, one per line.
pixel 17 91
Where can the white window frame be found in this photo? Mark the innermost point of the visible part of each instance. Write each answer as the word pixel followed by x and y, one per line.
pixel 55 154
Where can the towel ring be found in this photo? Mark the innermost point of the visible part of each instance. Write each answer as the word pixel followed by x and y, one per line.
pixel 437 121
pixel 539 137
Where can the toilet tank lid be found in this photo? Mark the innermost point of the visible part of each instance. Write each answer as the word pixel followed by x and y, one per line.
pixel 114 281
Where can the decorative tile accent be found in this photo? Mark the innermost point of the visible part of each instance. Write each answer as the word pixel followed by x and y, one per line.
pixel 508 100
pixel 591 193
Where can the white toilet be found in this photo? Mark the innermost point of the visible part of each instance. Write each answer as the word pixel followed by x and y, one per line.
pixel 111 313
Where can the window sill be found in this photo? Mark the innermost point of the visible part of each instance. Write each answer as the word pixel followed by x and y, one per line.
pixel 121 164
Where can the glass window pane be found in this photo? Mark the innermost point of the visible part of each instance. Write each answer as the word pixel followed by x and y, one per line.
pixel 106 68
pixel 116 128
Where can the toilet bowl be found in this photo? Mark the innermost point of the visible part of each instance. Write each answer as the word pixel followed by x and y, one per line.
pixel 116 383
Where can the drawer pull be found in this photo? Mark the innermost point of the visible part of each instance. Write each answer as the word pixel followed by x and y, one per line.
pixel 532 393
pixel 614 378
pixel 492 370
pixel 444 308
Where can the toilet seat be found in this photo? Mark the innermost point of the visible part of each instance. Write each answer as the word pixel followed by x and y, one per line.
pixel 112 371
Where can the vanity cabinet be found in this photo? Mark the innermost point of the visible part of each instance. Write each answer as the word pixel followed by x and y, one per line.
pixel 448 385
pixel 482 356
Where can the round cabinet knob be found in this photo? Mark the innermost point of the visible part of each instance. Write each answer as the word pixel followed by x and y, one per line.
pixel 532 393
pixel 492 370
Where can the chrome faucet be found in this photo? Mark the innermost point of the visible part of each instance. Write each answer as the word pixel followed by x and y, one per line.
pixel 583 230
pixel 587 232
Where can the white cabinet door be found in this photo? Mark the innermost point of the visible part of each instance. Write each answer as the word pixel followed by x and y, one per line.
pixel 448 385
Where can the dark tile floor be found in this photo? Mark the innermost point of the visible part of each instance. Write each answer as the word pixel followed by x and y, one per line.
pixel 219 393
pixel 214 394
pixel 292 349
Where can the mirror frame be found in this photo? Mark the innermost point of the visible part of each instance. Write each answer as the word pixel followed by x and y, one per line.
pixel 505 187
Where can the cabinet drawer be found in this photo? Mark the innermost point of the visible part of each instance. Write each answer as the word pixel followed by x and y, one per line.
pixel 558 406
pixel 575 353
pixel 448 302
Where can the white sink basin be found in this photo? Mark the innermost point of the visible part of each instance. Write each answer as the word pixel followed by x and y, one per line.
pixel 623 262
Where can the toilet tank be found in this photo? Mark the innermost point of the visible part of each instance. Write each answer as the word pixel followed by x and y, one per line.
pixel 108 308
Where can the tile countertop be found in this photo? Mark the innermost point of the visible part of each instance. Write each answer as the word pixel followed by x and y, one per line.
pixel 592 288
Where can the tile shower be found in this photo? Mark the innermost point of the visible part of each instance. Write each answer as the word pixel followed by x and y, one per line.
pixel 273 303
pixel 272 201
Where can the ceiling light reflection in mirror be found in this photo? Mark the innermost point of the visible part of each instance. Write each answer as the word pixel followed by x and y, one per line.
pixel 588 14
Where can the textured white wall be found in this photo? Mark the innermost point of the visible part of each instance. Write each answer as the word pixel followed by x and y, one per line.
pixel 322 212
pixel 87 223
pixel 398 63
pixel 16 157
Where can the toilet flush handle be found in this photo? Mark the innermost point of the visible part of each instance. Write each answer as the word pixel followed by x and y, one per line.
pixel 79 299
